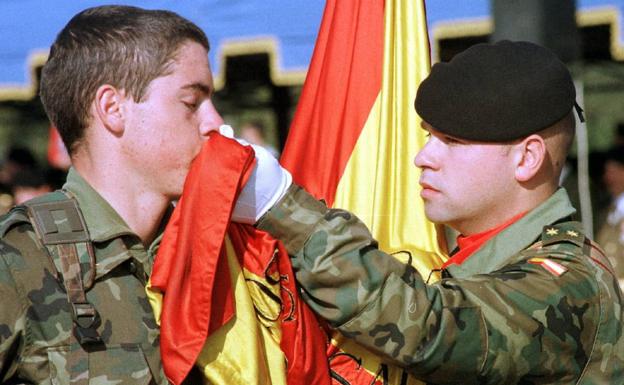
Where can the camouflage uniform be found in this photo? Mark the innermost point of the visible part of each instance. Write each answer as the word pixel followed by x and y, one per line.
pixel 36 340
pixel 499 318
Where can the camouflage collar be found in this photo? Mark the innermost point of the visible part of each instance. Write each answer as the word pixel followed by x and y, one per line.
pixel 113 239
pixel 495 253
pixel 102 220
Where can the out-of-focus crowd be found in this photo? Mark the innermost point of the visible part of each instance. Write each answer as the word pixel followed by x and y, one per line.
pixel 610 215
pixel 22 177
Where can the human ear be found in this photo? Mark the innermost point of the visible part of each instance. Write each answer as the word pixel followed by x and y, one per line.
pixel 529 155
pixel 109 108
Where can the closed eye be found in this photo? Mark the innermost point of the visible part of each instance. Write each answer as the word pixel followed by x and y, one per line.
pixel 191 105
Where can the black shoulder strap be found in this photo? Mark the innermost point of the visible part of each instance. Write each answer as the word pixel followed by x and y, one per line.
pixel 564 232
pixel 572 233
pixel 61 228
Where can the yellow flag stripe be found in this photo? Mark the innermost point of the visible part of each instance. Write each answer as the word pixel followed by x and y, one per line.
pixel 380 182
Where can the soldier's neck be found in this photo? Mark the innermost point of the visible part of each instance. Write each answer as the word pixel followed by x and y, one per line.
pixel 141 208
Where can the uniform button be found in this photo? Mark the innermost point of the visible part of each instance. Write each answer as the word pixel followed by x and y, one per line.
pixel 133 267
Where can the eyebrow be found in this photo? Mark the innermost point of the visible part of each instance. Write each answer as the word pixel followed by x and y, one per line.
pixel 201 87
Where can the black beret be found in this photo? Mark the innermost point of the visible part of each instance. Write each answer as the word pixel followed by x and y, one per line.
pixel 496 92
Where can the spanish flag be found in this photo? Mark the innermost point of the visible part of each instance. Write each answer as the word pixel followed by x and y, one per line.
pixel 224 293
pixel 354 137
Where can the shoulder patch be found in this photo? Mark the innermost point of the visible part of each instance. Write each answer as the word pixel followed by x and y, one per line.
pixel 551 266
pixel 570 232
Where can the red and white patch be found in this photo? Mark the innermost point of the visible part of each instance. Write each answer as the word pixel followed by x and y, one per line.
pixel 553 267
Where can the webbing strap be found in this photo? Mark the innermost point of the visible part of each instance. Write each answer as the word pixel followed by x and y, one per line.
pixel 61 228
pixel 83 312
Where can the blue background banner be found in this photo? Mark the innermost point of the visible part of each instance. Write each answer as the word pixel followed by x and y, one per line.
pixel 286 30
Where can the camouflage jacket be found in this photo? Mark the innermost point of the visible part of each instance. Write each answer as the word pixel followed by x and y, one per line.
pixel 537 304
pixel 37 345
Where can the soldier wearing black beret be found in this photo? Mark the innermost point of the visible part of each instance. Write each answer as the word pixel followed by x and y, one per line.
pixel 527 297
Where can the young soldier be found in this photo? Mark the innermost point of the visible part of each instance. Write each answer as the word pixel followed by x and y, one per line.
pixel 129 90
pixel 527 298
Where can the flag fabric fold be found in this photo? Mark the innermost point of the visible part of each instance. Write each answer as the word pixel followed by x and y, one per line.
pixel 354 137
pixel 224 293
pixel 342 84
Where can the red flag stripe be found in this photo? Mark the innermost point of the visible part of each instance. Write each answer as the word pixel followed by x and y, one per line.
pixel 349 88
pixel 190 269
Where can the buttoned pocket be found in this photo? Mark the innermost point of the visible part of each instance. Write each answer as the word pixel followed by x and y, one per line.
pixel 114 364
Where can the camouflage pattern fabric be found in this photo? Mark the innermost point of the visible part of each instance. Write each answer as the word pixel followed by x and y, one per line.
pixel 37 345
pixel 537 304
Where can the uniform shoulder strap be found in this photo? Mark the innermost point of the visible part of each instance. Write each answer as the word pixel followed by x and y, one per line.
pixel 564 232
pixel 57 219
pixel 572 233
pixel 61 228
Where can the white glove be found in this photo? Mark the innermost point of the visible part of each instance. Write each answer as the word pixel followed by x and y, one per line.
pixel 266 185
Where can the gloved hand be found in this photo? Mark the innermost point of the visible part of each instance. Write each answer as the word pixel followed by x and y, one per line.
pixel 266 185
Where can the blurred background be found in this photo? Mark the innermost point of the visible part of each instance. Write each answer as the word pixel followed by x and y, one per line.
pixel 260 50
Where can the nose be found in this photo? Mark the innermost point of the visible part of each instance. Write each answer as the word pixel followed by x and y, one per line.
pixel 211 120
pixel 424 158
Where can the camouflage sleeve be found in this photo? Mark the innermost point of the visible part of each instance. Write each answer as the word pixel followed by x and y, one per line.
pixel 456 331
pixel 12 317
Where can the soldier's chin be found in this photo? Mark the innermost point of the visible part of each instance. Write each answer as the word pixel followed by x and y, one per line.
pixel 435 215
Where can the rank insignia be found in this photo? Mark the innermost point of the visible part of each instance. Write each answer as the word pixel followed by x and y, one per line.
pixel 552 231
pixel 553 267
